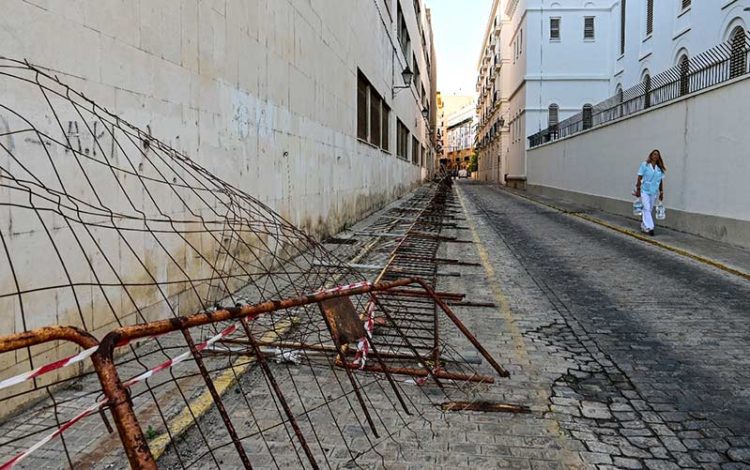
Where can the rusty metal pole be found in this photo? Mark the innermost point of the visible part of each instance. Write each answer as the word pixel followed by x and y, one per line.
pixel 472 339
pixel 131 435
pixel 217 399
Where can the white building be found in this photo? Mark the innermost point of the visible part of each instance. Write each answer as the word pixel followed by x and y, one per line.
pixel 653 36
pixel 542 61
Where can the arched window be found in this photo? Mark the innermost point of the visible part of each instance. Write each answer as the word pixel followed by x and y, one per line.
pixel 620 97
pixel 647 91
pixel 738 60
pixel 588 116
pixel 684 65
pixel 554 115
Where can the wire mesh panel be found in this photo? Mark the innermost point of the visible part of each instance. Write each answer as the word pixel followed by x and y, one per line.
pixel 202 329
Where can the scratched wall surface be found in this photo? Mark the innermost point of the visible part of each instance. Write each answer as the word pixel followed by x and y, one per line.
pixel 262 93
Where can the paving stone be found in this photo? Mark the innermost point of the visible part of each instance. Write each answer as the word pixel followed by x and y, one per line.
pixel 661 465
pixel 622 462
pixel 595 410
pixel 739 454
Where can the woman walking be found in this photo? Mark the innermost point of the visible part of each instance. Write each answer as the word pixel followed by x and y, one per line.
pixel 649 185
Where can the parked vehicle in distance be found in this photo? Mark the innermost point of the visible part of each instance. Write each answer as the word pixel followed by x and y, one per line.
pixel 463 173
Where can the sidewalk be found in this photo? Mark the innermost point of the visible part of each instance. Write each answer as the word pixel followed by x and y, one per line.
pixel 724 256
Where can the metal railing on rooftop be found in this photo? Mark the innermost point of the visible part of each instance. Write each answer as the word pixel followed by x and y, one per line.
pixel 722 63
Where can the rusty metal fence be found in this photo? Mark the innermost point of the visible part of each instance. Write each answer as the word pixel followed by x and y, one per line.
pixel 153 312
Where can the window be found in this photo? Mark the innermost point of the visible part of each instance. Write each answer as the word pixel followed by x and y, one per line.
pixel 588 116
pixel 422 159
pixel 375 118
pixel 417 74
pixel 684 75
pixel 385 143
pixel 649 16
pixel 685 4
pixel 738 59
pixel 402 140
pixel 620 99
pixel 373 115
pixel 588 27
pixel 554 115
pixel 647 91
pixel 362 111
pixel 403 33
pixel 622 27
pixel 520 42
pixel 414 151
pixel 554 29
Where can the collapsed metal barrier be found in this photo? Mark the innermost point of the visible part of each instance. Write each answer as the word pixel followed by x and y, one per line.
pixel 221 339
pixel 344 326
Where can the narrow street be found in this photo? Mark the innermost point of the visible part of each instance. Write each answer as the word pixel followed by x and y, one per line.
pixel 656 345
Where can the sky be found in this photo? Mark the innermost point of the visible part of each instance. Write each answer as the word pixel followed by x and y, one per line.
pixel 458 26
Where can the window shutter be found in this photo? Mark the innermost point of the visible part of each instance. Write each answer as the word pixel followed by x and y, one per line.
pixel 622 26
pixel 588 27
pixel 685 4
pixel 554 28
pixel 362 107
pixel 649 16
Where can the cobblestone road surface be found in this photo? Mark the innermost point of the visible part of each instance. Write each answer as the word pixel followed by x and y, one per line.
pixel 657 346
pixel 629 356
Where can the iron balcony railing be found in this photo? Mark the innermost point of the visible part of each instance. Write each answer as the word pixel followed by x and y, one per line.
pixel 719 64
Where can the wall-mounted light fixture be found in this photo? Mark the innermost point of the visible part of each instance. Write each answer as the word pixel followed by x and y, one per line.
pixel 407 75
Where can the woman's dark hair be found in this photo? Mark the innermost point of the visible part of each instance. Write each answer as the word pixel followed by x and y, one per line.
pixel 659 161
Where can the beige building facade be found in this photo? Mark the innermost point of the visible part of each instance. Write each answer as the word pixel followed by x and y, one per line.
pixel 301 104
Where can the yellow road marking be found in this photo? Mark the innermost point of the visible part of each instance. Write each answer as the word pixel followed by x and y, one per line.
pixel 202 404
pixel 522 356
pixel 631 233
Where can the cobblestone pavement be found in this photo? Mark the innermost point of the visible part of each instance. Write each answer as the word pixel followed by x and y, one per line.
pixel 628 356
pixel 658 345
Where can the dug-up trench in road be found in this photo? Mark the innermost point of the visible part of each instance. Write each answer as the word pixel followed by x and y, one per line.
pixel 658 343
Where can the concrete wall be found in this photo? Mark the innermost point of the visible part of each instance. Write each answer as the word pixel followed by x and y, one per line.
pixel 704 143
pixel 236 82
pixel 262 93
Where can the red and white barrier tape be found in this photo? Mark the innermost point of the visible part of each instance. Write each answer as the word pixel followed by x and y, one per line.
pixel 48 368
pixel 363 345
pixel 182 357
pixel 142 377
pixel 18 458
pixel 52 366
pixel 95 407
pixel 345 287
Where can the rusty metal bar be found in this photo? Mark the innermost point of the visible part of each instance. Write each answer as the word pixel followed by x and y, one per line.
pixel 279 394
pixel 45 335
pixel 441 374
pixel 498 368
pixel 484 406
pixel 129 333
pixel 131 434
pixel 217 399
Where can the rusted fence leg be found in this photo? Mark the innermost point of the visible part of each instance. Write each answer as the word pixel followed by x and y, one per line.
pixel 261 358
pixel 217 399
pixel 131 434
pixel 472 339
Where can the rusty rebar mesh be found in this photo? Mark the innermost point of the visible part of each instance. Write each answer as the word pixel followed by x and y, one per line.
pixel 104 226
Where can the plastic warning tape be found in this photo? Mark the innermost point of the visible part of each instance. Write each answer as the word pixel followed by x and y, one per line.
pixel 52 366
pixel 18 458
pixel 135 380
pixel 48 368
